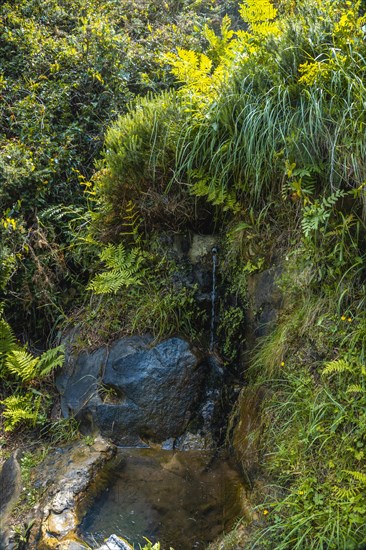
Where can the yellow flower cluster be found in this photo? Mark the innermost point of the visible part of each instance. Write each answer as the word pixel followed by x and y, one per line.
pixel 9 223
pixel 344 318
pixel 259 14
pixel 312 71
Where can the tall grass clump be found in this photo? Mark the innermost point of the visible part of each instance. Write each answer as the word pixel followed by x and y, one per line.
pixel 294 97
pixel 138 161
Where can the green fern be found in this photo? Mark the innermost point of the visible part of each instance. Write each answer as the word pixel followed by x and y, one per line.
pixel 344 493
pixel 125 269
pixel 359 476
pixel 22 364
pixel 21 409
pixel 355 388
pixel 337 366
pixel 318 213
pixel 205 186
pixel 132 222
pixel 50 360
pixel 300 182
pixel 7 340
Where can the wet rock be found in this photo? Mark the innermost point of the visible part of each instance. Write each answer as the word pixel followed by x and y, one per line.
pixel 10 483
pixel 168 445
pixel 155 389
pixel 115 543
pixel 10 489
pixel 60 524
pixel 201 246
pixel 79 382
pixel 72 545
pixel 245 421
pixel 265 302
pixel 207 427
pixel 193 442
pixel 63 479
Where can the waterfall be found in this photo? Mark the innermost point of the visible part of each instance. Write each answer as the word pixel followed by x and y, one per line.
pixel 213 297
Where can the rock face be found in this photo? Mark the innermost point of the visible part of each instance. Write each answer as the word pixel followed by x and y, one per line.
pixel 10 488
pixel 265 302
pixel 63 478
pixel 133 392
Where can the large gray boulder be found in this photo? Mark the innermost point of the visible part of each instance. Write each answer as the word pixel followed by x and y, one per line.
pixel 133 391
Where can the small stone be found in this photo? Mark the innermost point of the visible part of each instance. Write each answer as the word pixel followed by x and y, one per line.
pixel 71 545
pixel 115 543
pixel 168 444
pixel 193 442
pixel 62 500
pixel 61 524
pixel 201 246
pixel 100 445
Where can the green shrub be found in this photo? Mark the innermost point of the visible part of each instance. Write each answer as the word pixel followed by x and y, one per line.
pixel 67 71
pixel 139 161
pixel 312 368
pixel 291 96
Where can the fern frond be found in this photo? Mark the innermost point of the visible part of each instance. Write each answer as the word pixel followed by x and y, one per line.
pixel 50 360
pixel 337 366
pixel 344 493
pixel 359 476
pixel 113 256
pixel 54 212
pixel 132 222
pixel 125 269
pixel 19 409
pixel 355 388
pixel 22 364
pixel 7 339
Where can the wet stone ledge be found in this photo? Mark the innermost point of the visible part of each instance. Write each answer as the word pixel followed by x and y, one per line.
pixel 61 480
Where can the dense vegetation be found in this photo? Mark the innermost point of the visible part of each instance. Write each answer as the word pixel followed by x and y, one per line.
pixel 68 69
pixel 256 129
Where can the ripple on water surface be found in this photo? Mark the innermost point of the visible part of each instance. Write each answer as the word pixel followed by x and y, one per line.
pixel 184 499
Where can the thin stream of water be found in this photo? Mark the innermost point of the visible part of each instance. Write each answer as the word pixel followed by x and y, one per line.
pixel 213 298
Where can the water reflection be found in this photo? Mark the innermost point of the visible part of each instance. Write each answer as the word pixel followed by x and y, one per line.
pixel 184 499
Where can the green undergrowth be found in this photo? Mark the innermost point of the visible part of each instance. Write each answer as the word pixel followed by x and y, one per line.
pixel 260 138
pixel 313 438
pixel 68 70
pixel 287 115
pixel 311 370
pixel 23 381
pixel 138 162
pixel 139 290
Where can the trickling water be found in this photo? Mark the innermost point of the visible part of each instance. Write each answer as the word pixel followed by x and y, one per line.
pixel 213 298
